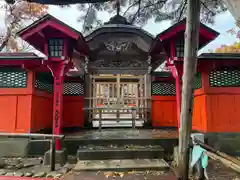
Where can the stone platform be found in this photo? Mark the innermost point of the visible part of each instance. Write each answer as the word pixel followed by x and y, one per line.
pixel 126 143
pixel 123 133
pixel 123 143
pixel 90 143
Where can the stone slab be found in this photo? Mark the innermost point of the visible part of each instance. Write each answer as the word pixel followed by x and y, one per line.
pixel 128 151
pixel 124 164
pixel 13 147
pixel 60 158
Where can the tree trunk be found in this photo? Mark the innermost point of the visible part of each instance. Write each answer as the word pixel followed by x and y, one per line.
pixel 190 66
pixel 233 6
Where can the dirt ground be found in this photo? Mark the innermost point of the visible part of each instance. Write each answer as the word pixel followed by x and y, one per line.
pixel 140 175
pixel 216 171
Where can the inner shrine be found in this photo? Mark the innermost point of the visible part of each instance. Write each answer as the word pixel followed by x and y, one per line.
pixel 111 77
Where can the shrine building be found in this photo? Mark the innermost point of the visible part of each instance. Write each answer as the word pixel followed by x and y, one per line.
pixel 102 79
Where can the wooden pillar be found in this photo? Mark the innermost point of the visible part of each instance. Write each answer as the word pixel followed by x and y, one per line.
pixel 87 88
pixel 58 72
pixel 118 97
pixel 189 71
pixel 148 103
pixel 145 98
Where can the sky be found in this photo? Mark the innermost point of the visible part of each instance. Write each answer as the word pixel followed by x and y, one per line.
pixel 223 23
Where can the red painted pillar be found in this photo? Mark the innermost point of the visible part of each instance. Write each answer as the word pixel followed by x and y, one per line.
pixel 58 73
pixel 178 98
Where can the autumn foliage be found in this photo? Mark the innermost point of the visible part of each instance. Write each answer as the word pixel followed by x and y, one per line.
pixel 17 16
pixel 234 48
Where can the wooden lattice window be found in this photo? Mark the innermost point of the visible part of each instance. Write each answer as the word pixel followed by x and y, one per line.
pixel 179 45
pixel 13 78
pixel 198 82
pixel 225 77
pixel 44 82
pixel 55 47
pixel 163 89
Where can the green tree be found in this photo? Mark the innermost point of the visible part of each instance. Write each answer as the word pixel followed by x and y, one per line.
pixel 17 16
pixel 138 12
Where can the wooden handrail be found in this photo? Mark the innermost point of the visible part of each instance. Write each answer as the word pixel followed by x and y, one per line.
pixel 33 135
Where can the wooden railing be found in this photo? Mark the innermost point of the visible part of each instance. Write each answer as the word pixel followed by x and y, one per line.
pixel 100 110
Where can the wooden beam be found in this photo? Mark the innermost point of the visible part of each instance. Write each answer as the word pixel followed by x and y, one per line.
pixel 190 66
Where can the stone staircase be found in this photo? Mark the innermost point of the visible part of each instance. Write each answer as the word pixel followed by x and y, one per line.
pixel 115 149
pixel 120 150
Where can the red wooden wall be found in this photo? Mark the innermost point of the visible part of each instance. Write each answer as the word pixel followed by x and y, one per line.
pixel 15 108
pixel 73 114
pixel 164 106
pixel 42 110
pixel 164 111
pixel 30 110
pixel 216 109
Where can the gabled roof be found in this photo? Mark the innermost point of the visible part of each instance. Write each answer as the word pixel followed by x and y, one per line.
pixel 119 24
pixel 44 21
pixel 206 35
pixel 39 31
pixel 181 26
pixel 19 56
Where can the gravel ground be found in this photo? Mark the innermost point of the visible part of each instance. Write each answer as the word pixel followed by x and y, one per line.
pixel 30 167
pixel 140 175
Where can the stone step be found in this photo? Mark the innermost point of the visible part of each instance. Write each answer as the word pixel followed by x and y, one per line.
pixel 93 152
pixel 121 165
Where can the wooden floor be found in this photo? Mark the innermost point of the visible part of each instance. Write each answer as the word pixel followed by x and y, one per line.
pixel 125 133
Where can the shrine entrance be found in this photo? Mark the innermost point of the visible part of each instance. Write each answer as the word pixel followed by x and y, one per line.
pixel 117 73
pixel 117 94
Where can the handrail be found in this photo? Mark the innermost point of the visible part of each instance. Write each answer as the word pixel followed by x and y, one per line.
pixel 51 137
pixel 115 108
pixel 34 135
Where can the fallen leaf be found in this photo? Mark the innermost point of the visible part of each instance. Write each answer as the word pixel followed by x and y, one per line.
pixel 121 174
pixel 107 174
pixel 132 172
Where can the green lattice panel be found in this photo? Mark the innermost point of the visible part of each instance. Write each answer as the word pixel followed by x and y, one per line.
pixel 224 77
pixel 44 86
pixel 44 82
pixel 198 82
pixel 13 78
pixel 163 89
pixel 73 88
